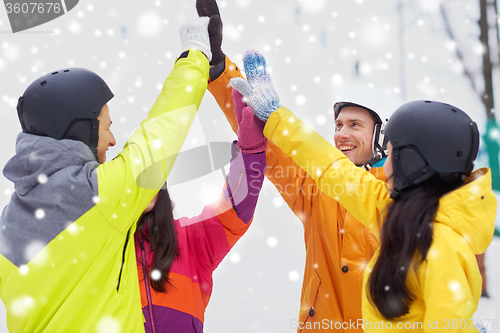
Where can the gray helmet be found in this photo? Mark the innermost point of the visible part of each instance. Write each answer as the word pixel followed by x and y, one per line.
pixel 428 138
pixel 65 104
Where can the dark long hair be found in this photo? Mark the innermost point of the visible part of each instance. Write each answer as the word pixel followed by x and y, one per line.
pixel 407 231
pixel 162 238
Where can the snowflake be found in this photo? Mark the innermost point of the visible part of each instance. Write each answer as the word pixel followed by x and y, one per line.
pixel 23 269
pixel 272 241
pixel 39 213
pixel 293 275
pixel 235 257
pixel 21 305
pixel 108 324
pixel 337 79
pixel 300 100
pixel 72 228
pixel 157 144
pixel 149 24
pixel 155 274
pixel 42 178
pixel 457 289
pixel 278 202
pixel 35 248
pixel 313 6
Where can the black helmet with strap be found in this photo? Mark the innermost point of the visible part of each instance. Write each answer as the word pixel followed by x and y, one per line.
pixel 65 104
pixel 428 138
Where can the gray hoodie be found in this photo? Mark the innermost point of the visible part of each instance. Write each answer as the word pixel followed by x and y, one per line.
pixel 55 184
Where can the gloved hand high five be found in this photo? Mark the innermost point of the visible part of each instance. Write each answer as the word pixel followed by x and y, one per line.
pixel 259 91
pixel 209 8
pixel 194 35
pixel 251 138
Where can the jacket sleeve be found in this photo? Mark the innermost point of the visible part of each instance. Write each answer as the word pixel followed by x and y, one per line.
pixel 358 191
pixel 450 282
pixel 295 186
pixel 221 90
pixel 129 182
pixel 221 224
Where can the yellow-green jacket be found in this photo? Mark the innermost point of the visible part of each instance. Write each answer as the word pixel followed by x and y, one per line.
pixel 447 285
pixel 67 260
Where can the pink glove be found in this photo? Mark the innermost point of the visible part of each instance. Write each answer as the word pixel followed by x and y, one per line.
pixel 251 138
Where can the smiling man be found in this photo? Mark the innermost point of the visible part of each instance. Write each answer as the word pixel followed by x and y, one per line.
pixel 353 134
pixel 338 247
pixel 360 117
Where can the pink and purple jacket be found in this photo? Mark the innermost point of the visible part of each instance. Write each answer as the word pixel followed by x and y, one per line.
pixel 204 241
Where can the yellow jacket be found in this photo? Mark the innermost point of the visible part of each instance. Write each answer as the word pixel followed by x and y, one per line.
pixel 338 247
pixel 447 285
pixel 84 279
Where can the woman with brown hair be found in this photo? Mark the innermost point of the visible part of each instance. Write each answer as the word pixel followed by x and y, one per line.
pixel 176 257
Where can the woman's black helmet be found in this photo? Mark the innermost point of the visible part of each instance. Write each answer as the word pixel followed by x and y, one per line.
pixel 428 138
pixel 65 104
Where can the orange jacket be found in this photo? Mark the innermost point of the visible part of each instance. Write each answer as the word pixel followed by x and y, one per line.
pixel 338 247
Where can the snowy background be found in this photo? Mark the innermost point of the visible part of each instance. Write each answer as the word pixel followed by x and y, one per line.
pixel 314 48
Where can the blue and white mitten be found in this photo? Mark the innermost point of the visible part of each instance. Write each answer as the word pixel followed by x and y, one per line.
pixel 258 91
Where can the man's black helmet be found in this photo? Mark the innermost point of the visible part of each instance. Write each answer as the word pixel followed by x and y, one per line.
pixel 428 138
pixel 65 104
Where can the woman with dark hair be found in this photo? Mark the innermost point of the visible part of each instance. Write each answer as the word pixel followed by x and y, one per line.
pixel 176 257
pixel 431 219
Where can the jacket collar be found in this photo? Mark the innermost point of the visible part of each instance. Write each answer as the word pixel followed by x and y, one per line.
pixel 470 210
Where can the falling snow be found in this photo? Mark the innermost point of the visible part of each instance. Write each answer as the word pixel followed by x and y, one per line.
pixel 293 276
pixel 155 274
pixel 42 178
pixel 108 325
pixel 21 305
pixel 149 24
pixel 272 241
pixel 33 249
pixel 39 213
pixel 300 100
pixel 307 74
pixel 235 257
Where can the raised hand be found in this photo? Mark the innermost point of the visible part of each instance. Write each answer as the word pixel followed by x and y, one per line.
pixel 194 35
pixel 209 8
pixel 258 91
pixel 251 138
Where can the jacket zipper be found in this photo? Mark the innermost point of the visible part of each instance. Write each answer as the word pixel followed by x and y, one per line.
pixel 123 261
pixel 146 284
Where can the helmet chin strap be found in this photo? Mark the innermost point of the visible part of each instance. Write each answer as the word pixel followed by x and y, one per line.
pixel 379 146
pixel 403 177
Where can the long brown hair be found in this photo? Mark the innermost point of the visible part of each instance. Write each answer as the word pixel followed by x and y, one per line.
pixel 162 238
pixel 407 230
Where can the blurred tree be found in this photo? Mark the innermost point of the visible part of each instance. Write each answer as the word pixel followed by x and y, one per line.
pixel 488 15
